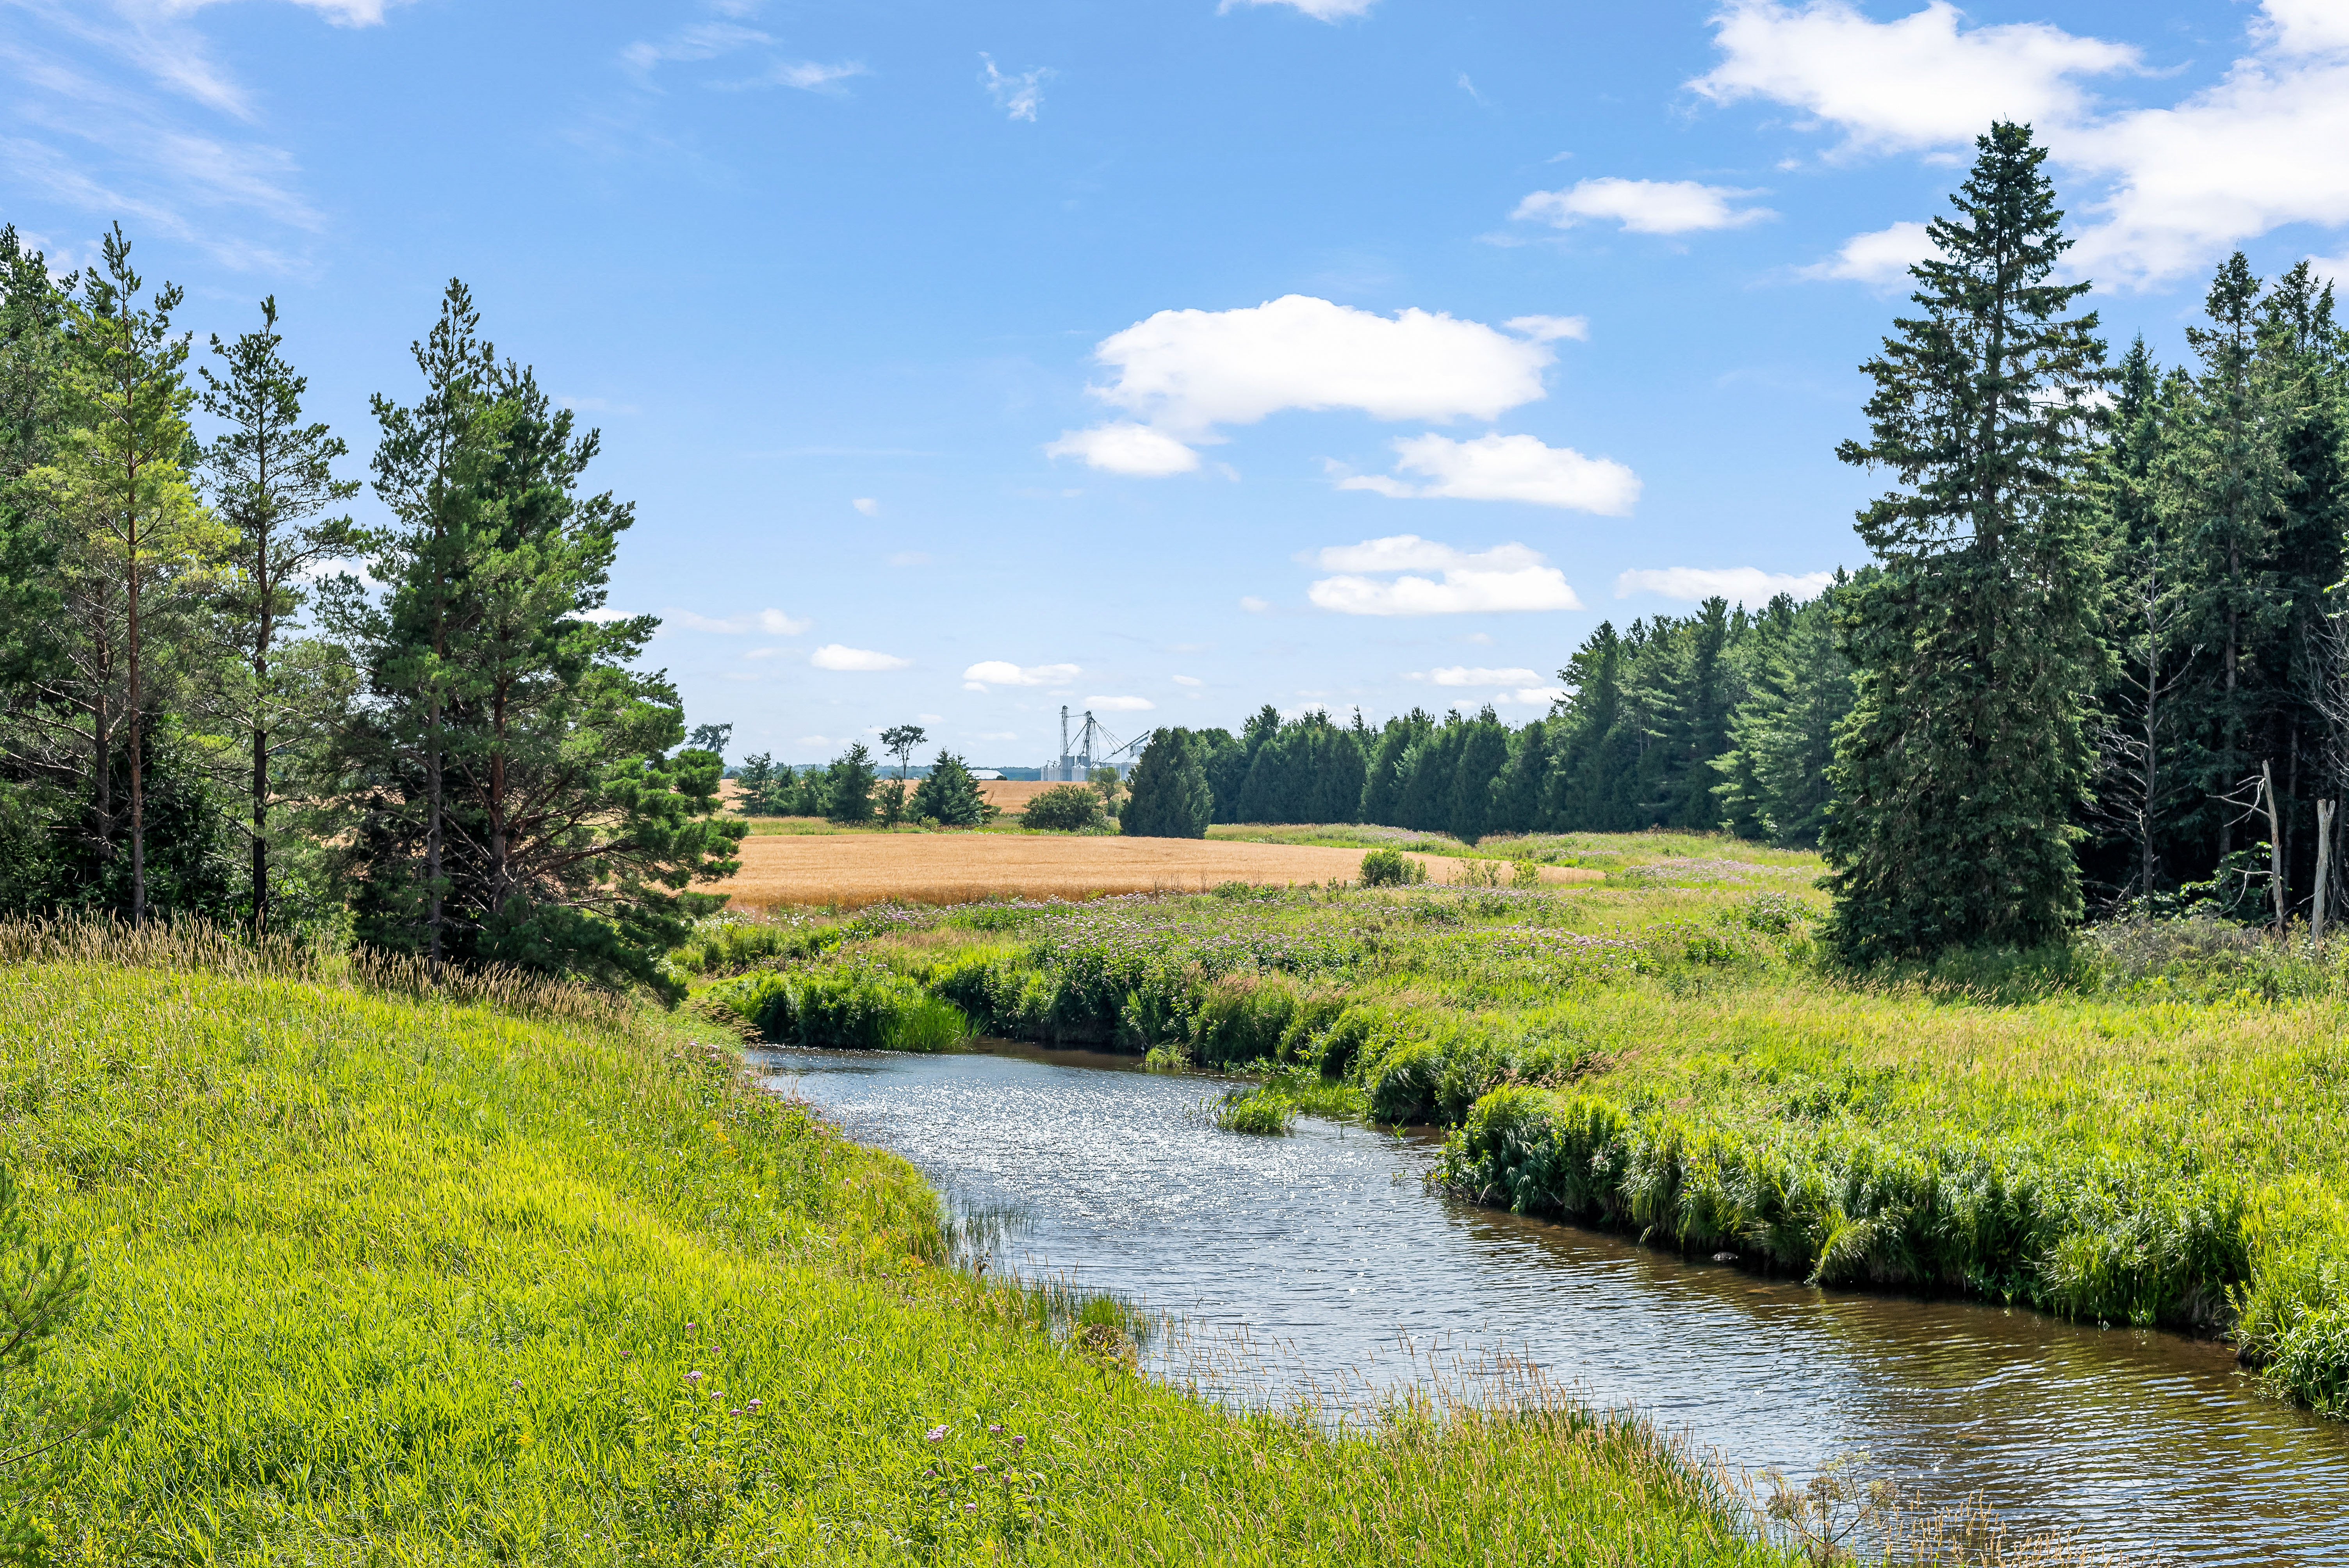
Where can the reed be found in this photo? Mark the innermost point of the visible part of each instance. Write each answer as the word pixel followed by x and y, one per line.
pixel 2142 1127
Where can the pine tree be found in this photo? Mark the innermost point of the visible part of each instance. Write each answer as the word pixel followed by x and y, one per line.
pixel 2226 482
pixel 1483 752
pixel 755 786
pixel 1774 773
pixel 949 795
pixel 271 476
pixel 1966 759
pixel 137 542
pixel 431 470
pixel 849 783
pixel 1168 795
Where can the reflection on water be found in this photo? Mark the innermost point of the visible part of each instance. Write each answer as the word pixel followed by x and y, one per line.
pixel 1326 1245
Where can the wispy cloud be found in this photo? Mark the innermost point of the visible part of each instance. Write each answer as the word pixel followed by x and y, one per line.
pixel 122 111
pixel 1508 577
pixel 838 656
pixel 1019 97
pixel 775 623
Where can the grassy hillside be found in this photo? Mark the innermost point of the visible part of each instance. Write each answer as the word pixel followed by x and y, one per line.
pixel 2146 1128
pixel 399 1281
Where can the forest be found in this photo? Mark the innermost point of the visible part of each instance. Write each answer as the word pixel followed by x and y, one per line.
pixel 221 698
pixel 2181 548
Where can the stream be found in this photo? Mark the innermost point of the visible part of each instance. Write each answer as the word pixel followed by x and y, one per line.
pixel 1319 1262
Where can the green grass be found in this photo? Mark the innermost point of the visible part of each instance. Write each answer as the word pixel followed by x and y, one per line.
pixel 391 1280
pixel 2146 1128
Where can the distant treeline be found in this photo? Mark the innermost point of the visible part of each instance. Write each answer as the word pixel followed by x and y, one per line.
pixel 1724 718
pixel 2101 657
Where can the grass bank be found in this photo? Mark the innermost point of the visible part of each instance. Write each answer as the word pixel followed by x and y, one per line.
pixel 394 1279
pixel 2148 1128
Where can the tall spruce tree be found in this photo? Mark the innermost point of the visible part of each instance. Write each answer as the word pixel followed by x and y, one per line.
pixel 2226 483
pixel 271 477
pixel 1168 795
pixel 1966 759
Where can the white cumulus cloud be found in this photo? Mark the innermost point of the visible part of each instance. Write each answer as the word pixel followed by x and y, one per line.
pixel 1120 703
pixel 1125 447
pixel 1878 258
pixel 1738 584
pixel 1914 84
pixel 2168 190
pixel 835 657
pixel 867 505
pixel 1002 672
pixel 1180 374
pixel 1507 577
pixel 1643 206
pixel 1505 467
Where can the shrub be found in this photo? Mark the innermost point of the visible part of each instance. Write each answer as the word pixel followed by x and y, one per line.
pixel 1391 868
pixel 1259 1110
pixel 1064 808
pixel 848 1009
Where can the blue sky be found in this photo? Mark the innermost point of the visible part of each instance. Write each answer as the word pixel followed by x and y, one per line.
pixel 968 358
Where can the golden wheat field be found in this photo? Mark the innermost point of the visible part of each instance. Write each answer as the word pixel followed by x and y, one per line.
pixel 850 870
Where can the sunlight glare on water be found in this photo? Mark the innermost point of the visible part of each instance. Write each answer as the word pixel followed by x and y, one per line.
pixel 1322 1255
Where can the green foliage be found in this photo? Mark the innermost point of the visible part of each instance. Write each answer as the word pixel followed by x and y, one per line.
pixel 949 796
pixel 270 475
pixel 1169 797
pixel 849 1008
pixel 848 786
pixel 1262 1110
pixel 1391 868
pixel 1063 809
pixel 2134 1128
pixel 1965 761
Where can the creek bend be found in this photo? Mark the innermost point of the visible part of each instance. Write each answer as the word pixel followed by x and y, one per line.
pixel 1324 1252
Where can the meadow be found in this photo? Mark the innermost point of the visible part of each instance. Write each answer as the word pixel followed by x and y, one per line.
pixel 2145 1127
pixel 382 1275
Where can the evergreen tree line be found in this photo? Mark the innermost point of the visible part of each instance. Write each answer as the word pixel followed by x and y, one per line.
pixel 2100 655
pixel 205 709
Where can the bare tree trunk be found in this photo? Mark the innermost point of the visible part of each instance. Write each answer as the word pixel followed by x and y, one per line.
pixel 2275 847
pixel 2316 910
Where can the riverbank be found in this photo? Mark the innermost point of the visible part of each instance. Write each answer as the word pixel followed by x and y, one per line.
pixel 2147 1130
pixel 391 1278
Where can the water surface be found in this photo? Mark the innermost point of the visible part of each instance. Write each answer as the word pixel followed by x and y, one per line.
pixel 1324 1256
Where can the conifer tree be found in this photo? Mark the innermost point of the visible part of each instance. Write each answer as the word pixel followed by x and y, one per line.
pixel 271 477
pixel 949 794
pixel 850 786
pixel 1965 762
pixel 135 540
pixel 432 471
pixel 2226 480
pixel 1167 796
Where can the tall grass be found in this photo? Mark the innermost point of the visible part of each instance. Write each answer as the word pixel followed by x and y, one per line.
pixel 852 1008
pixel 2145 1126
pixel 392 1279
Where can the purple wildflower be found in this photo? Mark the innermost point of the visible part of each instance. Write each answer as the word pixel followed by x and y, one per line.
pixel 934 1434
pixel 693 1377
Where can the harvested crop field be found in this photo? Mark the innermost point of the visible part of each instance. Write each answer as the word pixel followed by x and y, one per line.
pixel 849 870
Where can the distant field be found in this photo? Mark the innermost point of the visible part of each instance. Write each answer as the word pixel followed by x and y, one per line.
pixel 851 869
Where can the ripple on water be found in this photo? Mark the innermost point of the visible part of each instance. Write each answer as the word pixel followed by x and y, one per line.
pixel 1315 1256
